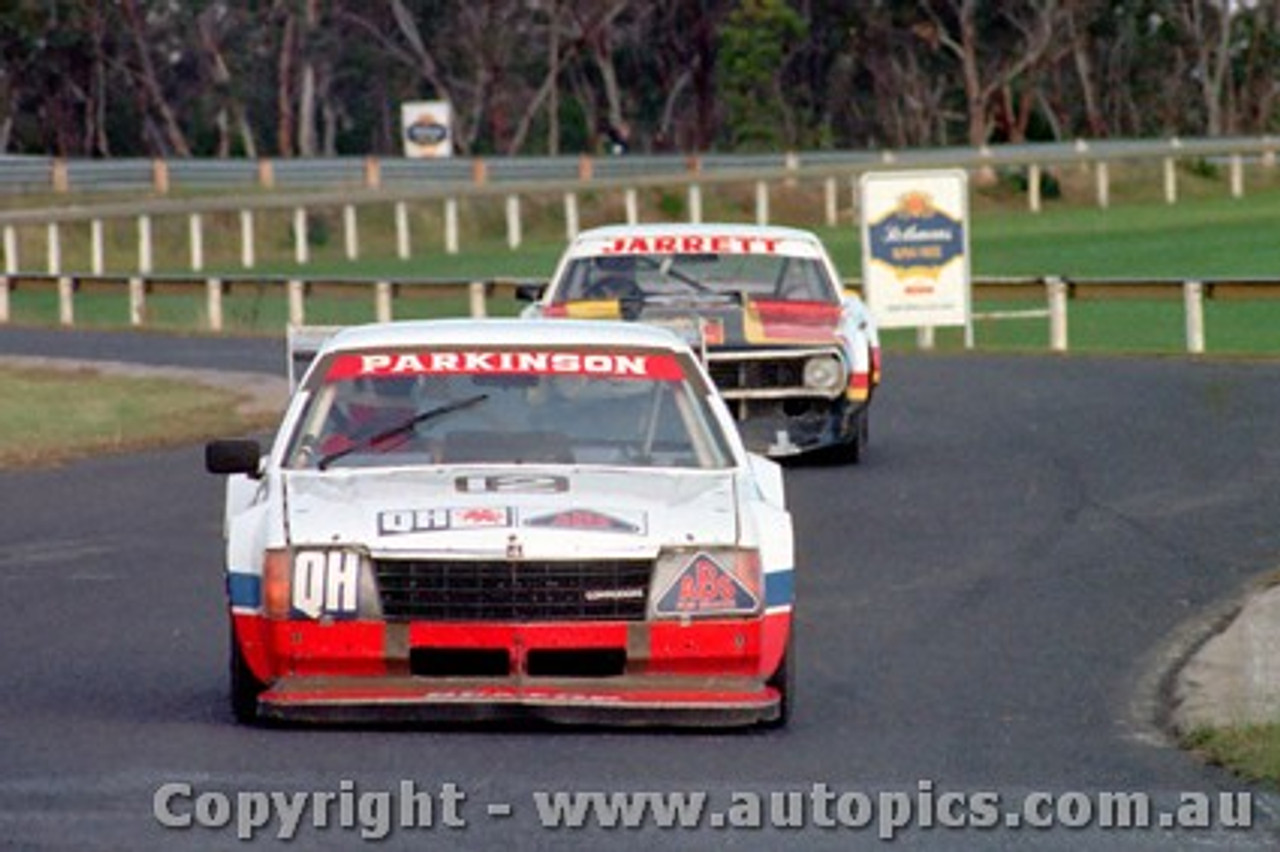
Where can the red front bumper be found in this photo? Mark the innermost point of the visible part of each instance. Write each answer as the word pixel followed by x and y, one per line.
pixel 703 672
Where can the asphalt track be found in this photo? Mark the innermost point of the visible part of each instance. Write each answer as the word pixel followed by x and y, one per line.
pixel 984 605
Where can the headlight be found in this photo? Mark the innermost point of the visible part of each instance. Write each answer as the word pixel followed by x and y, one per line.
pixel 824 373
pixel 318 583
pixel 708 582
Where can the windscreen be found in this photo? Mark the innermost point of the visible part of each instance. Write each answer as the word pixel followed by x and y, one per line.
pixel 507 406
pixel 696 275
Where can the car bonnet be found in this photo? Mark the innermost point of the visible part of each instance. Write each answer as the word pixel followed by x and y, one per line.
pixel 538 512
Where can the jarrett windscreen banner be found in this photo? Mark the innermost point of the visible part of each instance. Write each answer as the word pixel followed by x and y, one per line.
pixel 915 248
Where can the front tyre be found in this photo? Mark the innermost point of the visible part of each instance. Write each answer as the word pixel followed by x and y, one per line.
pixel 245 687
pixel 784 680
pixel 853 447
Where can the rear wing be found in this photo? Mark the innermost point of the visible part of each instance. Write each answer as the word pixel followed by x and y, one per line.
pixel 303 343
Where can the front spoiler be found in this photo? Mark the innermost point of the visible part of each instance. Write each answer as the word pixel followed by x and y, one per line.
pixel 776 435
pixel 626 700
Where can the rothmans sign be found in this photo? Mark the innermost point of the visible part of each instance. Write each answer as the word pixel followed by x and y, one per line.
pixel 915 248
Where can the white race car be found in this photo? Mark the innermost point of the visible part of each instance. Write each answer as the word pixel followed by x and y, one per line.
pixel 481 518
pixel 796 356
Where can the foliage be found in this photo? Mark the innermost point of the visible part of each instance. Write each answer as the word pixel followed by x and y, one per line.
pixel 286 78
pixel 755 43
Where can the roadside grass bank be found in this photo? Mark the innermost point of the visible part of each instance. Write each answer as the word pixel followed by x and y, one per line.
pixel 52 415
pixel 1252 752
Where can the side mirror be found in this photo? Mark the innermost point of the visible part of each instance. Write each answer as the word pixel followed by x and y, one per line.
pixel 233 455
pixel 530 292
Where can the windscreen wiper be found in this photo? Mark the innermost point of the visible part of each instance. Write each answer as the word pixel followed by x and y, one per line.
pixel 407 425
pixel 667 270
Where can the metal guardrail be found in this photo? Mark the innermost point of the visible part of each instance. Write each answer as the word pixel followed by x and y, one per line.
pixel 52 174
pixel 1053 292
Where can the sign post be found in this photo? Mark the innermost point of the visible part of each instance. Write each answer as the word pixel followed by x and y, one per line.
pixel 915 250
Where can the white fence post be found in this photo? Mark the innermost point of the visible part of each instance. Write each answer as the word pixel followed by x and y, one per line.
pixel 514 235
pixel 10 250
pixel 1170 181
pixel 247 258
pixel 1237 176
pixel 571 221
pixel 195 227
pixel 830 202
pixel 137 301
pixel 213 293
pixel 402 230
pixel 1103 174
pixel 146 254
pixel 66 301
pixel 54 248
pixel 695 204
pixel 301 247
pixel 762 203
pixel 97 247
pixel 1056 293
pixel 631 202
pixel 6 288
pixel 350 230
pixel 451 226
pixel 382 301
pixel 475 290
pixel 297 302
pixel 1193 299
pixel 1033 187
pixel 925 337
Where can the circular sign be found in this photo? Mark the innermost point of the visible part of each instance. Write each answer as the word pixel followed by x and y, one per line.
pixel 427 131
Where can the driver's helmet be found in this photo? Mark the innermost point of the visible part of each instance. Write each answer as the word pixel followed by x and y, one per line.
pixel 613 276
pixel 615 266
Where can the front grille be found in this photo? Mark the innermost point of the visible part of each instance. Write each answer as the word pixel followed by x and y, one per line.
pixel 757 374
pixel 437 590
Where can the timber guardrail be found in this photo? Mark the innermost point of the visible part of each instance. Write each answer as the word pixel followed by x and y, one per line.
pixel 1049 295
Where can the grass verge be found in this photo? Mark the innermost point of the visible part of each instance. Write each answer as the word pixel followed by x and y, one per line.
pixel 49 416
pixel 1252 752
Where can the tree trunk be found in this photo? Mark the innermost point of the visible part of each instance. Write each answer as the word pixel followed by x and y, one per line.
pixel 284 88
pixel 232 111
pixel 1094 122
pixel 307 96
pixel 176 142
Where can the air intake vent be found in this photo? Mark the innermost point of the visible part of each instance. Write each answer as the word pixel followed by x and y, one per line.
pixel 438 590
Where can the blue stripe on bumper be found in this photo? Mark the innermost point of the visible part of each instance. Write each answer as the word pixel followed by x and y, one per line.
pixel 244 590
pixel 779 588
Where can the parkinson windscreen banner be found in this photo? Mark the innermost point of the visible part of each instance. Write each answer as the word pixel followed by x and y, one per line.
pixel 915 248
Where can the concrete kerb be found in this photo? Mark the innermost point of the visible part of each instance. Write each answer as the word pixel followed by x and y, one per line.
pixel 1233 678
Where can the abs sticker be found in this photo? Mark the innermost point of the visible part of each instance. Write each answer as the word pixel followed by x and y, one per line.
pixel 585 519
pixel 705 588
pixel 326 583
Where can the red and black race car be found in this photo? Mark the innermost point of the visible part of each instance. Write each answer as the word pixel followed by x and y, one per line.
pixel 796 357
